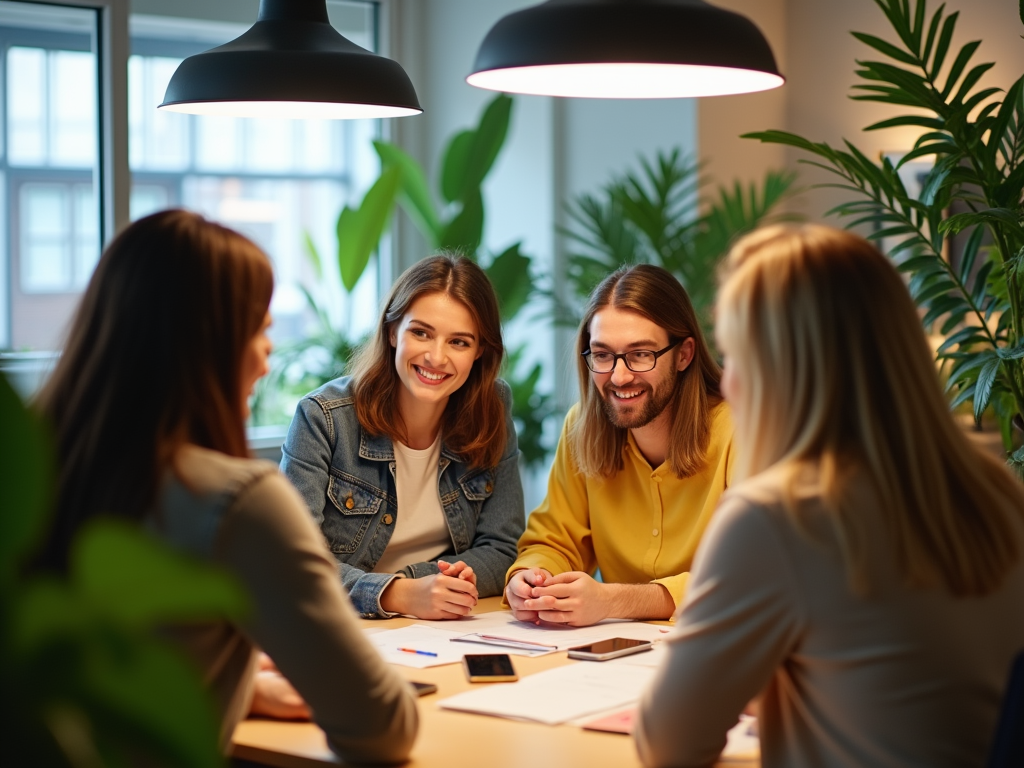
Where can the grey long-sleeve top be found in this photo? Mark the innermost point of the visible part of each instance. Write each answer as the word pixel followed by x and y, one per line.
pixel 244 515
pixel 905 677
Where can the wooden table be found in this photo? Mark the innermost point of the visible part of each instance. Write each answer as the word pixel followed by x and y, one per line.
pixel 452 739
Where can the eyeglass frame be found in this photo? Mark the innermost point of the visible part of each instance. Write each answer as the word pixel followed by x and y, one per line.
pixel 622 356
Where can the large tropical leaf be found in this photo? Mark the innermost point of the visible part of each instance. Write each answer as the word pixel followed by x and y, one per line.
pixel 509 273
pixel 360 229
pixel 414 193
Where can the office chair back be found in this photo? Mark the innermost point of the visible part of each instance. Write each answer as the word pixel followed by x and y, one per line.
pixel 1008 746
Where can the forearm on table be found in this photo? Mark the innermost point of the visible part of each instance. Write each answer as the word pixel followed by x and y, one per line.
pixel 639 601
pixel 366 590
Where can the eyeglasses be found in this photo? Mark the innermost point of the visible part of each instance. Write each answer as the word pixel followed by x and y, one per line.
pixel 637 360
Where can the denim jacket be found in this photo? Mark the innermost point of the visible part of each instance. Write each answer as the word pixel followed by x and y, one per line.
pixel 347 478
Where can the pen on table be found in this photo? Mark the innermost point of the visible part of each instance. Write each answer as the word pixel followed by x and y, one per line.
pixel 421 653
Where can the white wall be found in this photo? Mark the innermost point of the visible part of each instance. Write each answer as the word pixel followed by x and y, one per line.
pixel 817 53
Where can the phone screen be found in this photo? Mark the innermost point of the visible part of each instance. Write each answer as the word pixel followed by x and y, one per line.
pixel 489 665
pixel 609 646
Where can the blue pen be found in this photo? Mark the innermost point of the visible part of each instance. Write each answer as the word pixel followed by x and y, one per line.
pixel 421 653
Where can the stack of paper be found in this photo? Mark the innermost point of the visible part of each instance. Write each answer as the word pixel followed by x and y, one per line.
pixel 497 626
pixel 421 646
pixel 558 695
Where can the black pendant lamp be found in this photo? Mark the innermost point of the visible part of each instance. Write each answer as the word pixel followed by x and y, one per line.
pixel 625 49
pixel 291 63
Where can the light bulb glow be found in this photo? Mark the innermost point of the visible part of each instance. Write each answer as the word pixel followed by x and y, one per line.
pixel 611 80
pixel 293 110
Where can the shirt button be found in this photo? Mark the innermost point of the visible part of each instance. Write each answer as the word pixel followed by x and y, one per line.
pixel 388 519
pixel 489 487
pixel 656 478
pixel 349 503
pixel 654 532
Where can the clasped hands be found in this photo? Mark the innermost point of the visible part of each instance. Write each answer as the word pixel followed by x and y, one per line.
pixel 573 598
pixel 449 594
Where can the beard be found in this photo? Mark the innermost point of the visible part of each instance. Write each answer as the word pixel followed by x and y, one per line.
pixel 656 400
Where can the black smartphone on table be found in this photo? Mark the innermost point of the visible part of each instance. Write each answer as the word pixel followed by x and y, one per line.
pixel 422 689
pixel 609 649
pixel 489 668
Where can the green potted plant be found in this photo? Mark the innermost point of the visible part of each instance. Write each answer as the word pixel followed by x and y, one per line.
pixel 970 290
pixel 660 215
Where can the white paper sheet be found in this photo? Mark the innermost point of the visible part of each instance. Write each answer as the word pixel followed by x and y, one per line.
pixel 651 658
pixel 502 623
pixel 421 638
pixel 557 695
pixel 433 640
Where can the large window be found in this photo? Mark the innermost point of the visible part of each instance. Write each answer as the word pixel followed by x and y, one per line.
pixel 49 170
pixel 281 182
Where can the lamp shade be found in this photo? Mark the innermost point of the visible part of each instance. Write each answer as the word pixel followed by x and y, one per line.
pixel 291 63
pixel 625 49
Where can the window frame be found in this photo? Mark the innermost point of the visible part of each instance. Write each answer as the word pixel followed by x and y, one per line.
pixel 114 177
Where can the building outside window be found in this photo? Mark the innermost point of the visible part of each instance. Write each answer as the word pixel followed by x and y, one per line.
pixel 280 182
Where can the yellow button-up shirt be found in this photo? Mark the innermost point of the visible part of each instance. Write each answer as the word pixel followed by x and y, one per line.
pixel 638 526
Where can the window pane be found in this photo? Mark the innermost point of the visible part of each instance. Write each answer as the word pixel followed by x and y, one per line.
pixel 50 235
pixel 45 239
pixel 72 78
pixel 86 234
pixel 147 199
pixel 269 145
pixel 158 140
pixel 26 106
pixel 218 139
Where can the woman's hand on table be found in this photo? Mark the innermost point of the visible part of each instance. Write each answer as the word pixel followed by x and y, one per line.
pixel 457 570
pixel 274 696
pixel 438 596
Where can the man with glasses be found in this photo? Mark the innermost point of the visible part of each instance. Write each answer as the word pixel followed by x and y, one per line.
pixel 640 464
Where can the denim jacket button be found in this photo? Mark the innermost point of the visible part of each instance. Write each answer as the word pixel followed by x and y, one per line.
pixel 349 503
pixel 388 519
pixel 489 487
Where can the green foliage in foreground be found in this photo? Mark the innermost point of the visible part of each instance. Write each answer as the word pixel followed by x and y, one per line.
pixel 86 682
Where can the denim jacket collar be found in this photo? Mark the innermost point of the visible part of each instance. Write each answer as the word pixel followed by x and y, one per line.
pixel 380 448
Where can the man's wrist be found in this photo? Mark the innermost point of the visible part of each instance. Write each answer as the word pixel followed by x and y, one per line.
pixel 638 601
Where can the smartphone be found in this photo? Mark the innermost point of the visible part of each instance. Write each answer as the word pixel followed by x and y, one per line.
pixel 609 649
pixel 422 689
pixel 489 668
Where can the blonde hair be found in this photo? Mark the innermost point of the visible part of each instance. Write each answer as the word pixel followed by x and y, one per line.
pixel 653 293
pixel 836 381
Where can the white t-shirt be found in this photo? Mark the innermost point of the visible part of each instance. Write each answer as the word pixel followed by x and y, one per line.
pixel 421 531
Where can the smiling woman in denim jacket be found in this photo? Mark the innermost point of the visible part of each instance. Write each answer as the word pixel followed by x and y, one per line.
pixel 411 465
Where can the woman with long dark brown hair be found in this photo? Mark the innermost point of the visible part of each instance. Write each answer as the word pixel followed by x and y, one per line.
pixel 410 465
pixel 148 405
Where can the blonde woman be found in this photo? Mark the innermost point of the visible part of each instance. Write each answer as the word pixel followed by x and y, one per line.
pixel 865 574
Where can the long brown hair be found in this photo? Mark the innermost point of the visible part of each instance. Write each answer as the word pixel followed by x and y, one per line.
pixel 474 419
pixel 655 294
pixel 838 391
pixel 153 360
